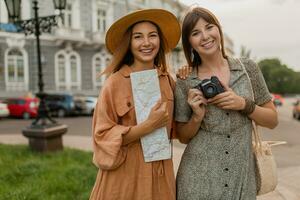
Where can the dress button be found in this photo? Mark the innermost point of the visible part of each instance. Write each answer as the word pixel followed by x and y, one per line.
pixel 227 113
pixel 226 152
pixel 226 185
pixel 228 136
pixel 128 104
pixel 226 169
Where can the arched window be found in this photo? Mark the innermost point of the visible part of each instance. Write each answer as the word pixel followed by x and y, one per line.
pixel 67 71
pixel 16 70
pixel 61 68
pixel 100 61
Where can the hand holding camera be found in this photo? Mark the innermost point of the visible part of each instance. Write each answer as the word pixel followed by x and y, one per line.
pixel 217 93
pixel 197 102
pixel 210 87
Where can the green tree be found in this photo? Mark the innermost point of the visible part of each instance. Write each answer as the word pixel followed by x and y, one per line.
pixel 279 77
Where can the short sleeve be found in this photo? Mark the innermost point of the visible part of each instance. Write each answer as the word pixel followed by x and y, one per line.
pixel 107 133
pixel 260 89
pixel 183 111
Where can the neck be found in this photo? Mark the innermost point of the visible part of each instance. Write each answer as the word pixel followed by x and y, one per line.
pixel 140 66
pixel 212 62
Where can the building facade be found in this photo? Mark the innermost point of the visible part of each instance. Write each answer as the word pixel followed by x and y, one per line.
pixel 74 53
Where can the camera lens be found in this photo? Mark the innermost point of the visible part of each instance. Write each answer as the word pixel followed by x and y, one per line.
pixel 210 90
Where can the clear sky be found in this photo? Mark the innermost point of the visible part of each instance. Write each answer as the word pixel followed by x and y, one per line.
pixel 270 28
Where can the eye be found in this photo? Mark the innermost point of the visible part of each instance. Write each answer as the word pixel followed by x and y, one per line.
pixel 137 36
pixel 195 33
pixel 153 35
pixel 210 26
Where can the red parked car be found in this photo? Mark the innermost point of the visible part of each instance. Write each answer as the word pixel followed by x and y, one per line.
pixel 23 107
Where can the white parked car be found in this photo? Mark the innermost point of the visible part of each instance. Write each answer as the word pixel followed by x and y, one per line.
pixel 4 112
pixel 90 103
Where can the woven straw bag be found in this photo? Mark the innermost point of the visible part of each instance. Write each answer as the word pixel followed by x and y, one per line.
pixel 266 170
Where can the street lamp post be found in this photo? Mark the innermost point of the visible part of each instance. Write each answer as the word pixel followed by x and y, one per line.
pixel 44 134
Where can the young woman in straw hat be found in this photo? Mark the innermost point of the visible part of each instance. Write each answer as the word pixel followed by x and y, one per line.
pixel 137 41
pixel 218 160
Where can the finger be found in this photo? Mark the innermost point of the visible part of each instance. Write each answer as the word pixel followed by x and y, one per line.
pixel 218 97
pixel 196 91
pixel 224 104
pixel 190 69
pixel 180 72
pixel 177 73
pixel 220 100
pixel 198 97
pixel 198 104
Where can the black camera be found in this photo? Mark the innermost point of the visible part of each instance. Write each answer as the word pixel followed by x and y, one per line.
pixel 210 87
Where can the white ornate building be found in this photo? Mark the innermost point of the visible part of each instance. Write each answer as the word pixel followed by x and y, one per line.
pixel 74 53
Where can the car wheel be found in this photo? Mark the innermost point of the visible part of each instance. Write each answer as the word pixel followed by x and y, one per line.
pixel 26 115
pixel 61 113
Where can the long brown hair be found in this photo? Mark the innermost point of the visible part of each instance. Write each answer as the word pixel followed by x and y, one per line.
pixel 123 56
pixel 189 22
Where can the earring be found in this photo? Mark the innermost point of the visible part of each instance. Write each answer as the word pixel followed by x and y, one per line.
pixel 192 54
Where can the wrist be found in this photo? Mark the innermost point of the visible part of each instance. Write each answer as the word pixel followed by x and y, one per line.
pixel 196 118
pixel 249 106
pixel 147 126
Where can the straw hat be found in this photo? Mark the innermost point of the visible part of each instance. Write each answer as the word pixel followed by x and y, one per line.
pixel 164 19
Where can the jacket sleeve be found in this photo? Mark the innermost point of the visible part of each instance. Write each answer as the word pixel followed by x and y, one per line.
pixel 107 133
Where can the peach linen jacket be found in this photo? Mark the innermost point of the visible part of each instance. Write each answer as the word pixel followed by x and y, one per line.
pixel 123 174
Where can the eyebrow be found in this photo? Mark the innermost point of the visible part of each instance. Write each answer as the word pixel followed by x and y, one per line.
pixel 138 33
pixel 206 25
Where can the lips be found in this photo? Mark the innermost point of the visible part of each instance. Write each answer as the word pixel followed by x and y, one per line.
pixel 208 44
pixel 146 51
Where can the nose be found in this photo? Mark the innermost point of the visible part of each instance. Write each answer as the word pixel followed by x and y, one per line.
pixel 146 41
pixel 205 35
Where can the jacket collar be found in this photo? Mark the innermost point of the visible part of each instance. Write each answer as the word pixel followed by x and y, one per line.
pixel 126 71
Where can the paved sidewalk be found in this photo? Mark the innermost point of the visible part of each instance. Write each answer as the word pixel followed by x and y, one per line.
pixel 288 178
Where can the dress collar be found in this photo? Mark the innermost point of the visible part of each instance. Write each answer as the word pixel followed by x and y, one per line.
pixel 234 65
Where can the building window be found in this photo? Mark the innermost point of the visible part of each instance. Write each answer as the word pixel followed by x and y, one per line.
pixel 68 71
pixel 61 69
pixel 100 61
pixel 15 66
pixel 67 16
pixel 73 67
pixel 101 20
pixel 16 70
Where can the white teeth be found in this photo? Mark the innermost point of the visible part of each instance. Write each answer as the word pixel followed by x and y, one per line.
pixel 207 44
pixel 146 51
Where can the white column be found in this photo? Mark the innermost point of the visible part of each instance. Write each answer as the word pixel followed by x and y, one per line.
pixel 3 13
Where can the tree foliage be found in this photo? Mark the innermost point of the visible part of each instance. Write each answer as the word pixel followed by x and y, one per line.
pixel 279 77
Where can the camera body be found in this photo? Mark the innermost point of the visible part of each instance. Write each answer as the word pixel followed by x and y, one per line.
pixel 210 87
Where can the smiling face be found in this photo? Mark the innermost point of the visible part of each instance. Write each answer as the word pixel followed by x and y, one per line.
pixel 145 42
pixel 205 38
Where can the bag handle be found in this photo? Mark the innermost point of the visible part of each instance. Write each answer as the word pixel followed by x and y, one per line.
pixel 257 141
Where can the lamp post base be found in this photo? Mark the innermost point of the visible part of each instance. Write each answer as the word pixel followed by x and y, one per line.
pixel 45 138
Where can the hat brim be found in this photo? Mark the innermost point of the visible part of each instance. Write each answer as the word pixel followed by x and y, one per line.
pixel 164 19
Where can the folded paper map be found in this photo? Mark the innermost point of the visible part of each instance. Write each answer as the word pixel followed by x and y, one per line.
pixel 146 93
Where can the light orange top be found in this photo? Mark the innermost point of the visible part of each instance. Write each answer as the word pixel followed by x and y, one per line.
pixel 123 174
